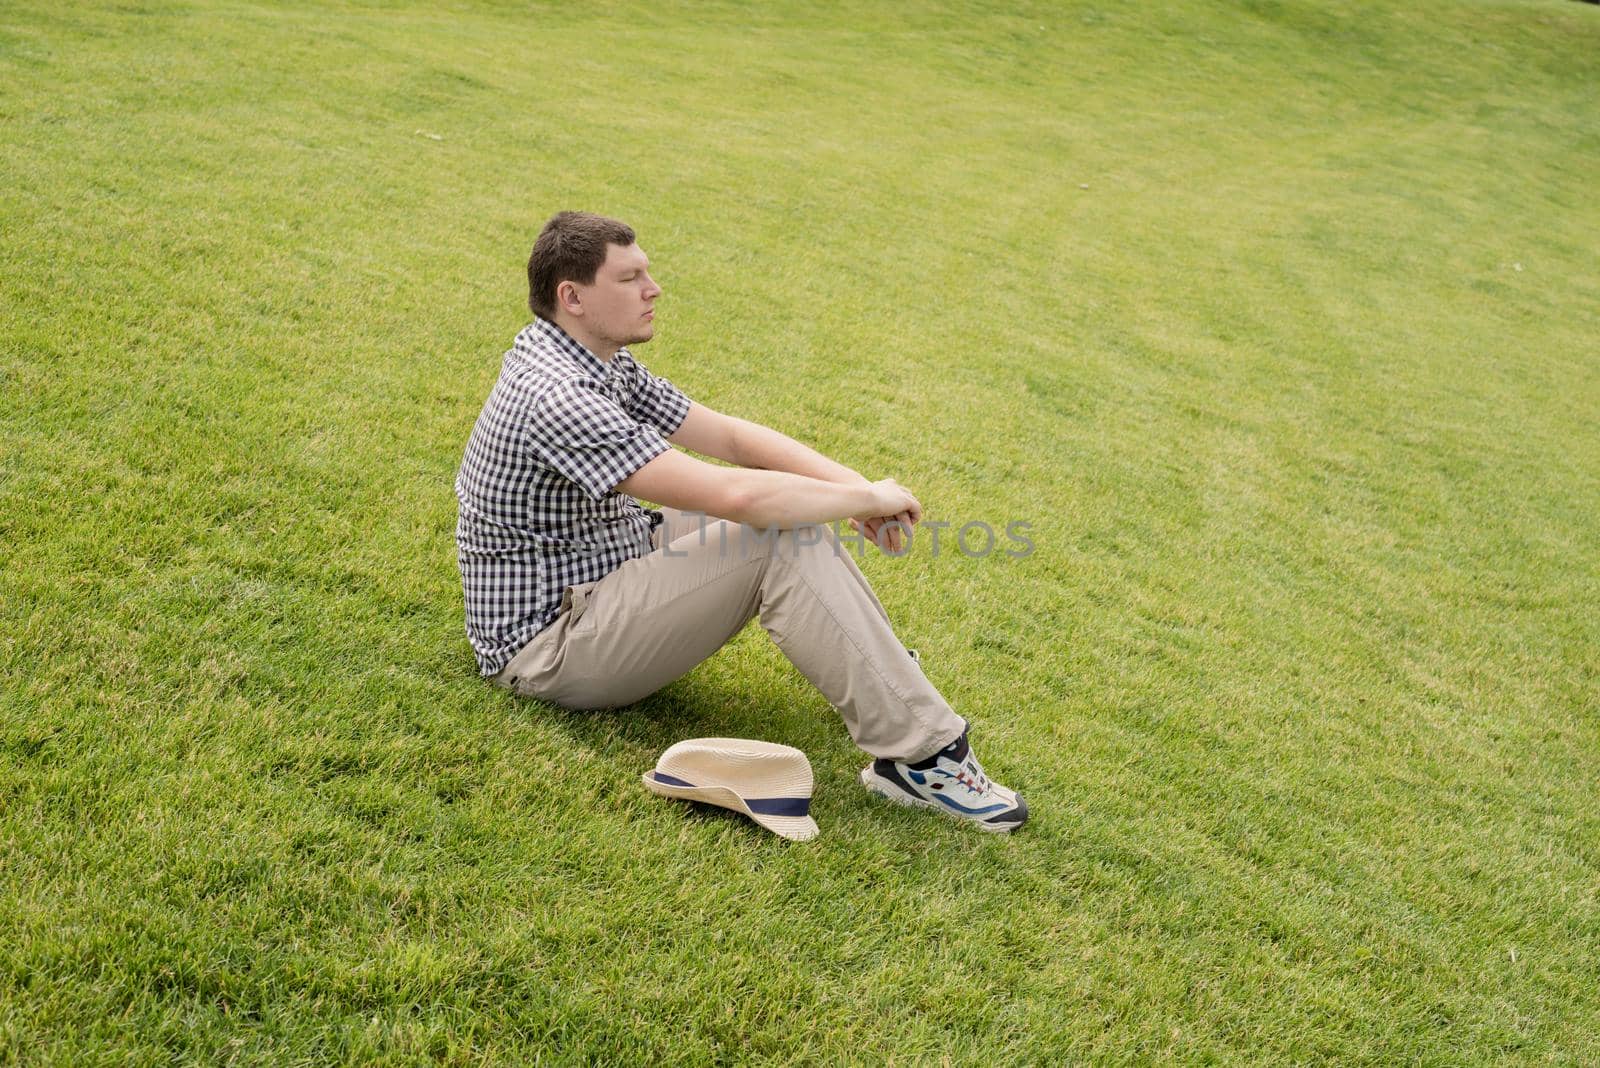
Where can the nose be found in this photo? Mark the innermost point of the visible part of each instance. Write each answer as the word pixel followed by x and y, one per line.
pixel 652 288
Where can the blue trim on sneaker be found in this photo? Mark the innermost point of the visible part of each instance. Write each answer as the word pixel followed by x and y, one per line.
pixel 885 769
pixel 970 811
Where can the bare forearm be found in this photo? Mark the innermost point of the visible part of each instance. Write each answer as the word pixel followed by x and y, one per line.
pixel 762 447
pixel 780 499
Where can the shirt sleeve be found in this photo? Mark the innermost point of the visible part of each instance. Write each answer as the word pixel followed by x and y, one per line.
pixel 580 432
pixel 656 401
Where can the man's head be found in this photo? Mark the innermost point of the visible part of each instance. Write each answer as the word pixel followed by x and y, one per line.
pixel 589 277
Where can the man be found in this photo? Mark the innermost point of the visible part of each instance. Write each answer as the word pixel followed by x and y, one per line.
pixel 578 595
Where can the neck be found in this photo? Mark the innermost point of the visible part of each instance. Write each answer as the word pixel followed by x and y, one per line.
pixel 602 350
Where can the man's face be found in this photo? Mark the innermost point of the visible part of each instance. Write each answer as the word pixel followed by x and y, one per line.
pixel 619 306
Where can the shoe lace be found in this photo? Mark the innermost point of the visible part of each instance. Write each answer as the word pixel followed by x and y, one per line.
pixel 969 773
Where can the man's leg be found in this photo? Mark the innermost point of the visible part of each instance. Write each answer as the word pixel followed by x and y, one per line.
pixel 645 624
pixel 678 523
pixel 656 617
pixel 821 611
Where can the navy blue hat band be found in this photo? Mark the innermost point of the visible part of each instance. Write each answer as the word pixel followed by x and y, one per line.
pixel 763 806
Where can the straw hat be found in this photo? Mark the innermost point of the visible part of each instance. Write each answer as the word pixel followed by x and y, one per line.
pixel 768 782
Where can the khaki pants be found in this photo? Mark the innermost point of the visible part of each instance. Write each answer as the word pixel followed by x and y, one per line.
pixel 647 623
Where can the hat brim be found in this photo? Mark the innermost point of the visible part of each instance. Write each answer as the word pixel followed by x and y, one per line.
pixel 794 828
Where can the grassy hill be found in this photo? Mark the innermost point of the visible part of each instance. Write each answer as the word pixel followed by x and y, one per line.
pixel 1277 320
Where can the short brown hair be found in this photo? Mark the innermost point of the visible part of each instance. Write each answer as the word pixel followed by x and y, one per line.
pixel 570 248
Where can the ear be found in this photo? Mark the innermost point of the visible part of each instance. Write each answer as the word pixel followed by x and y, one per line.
pixel 567 298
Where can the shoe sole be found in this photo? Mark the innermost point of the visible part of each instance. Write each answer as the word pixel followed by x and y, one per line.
pixel 889 792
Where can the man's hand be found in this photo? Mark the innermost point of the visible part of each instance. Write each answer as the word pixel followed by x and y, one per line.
pixel 880 533
pixel 899 507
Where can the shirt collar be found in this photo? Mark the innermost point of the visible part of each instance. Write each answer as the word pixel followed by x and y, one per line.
pixel 565 342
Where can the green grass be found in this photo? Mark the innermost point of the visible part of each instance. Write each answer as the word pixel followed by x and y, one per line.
pixel 1277 319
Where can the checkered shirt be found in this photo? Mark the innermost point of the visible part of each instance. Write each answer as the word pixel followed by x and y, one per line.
pixel 537 509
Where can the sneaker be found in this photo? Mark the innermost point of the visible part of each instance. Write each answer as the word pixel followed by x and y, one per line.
pixel 951 781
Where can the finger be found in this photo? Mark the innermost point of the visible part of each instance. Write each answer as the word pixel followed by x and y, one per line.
pixel 897 527
pixel 901 531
